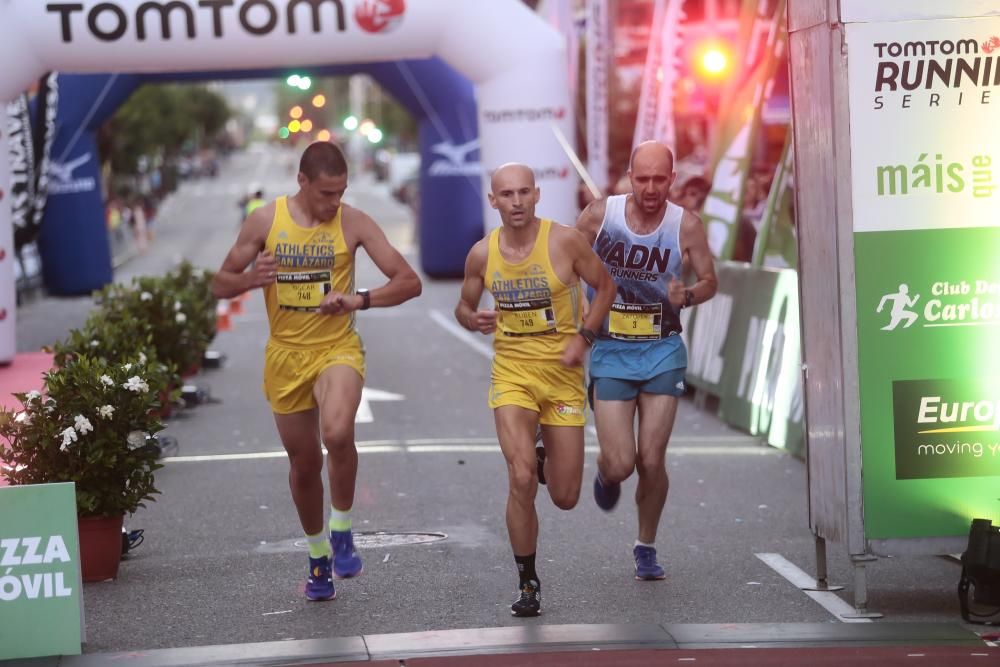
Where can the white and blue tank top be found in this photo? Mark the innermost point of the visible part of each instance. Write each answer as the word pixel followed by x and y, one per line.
pixel 640 336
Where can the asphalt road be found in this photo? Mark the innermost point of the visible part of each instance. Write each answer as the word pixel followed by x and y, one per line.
pixel 223 560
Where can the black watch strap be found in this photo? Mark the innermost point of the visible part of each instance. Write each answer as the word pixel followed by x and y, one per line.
pixel 588 335
pixel 366 299
pixel 688 298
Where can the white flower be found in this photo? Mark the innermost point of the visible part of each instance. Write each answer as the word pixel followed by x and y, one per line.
pixel 142 358
pixel 146 296
pixel 69 435
pixel 50 406
pixel 34 394
pixel 82 424
pixel 127 367
pixel 181 317
pixel 106 411
pixel 177 305
pixel 107 381
pixel 136 439
pixel 95 343
pixel 23 418
pixel 136 384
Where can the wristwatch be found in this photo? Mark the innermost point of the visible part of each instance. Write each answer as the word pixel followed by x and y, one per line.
pixel 688 298
pixel 366 298
pixel 588 335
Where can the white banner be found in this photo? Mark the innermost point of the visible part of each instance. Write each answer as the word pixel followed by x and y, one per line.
pixel 649 92
pixel 598 64
pixel 852 11
pixel 562 16
pixel 925 108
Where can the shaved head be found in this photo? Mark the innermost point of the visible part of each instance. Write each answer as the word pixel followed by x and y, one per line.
pixel 655 152
pixel 513 194
pixel 651 173
pixel 516 171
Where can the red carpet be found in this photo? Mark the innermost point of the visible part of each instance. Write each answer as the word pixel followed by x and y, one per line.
pixel 22 375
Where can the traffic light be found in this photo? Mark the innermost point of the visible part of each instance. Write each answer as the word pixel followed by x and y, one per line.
pixel 300 81
pixel 712 61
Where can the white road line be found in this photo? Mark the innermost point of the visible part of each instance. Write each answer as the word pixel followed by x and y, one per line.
pixel 462 334
pixel 801 580
pixel 456 446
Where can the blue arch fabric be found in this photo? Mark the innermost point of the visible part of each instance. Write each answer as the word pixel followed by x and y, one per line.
pixel 74 238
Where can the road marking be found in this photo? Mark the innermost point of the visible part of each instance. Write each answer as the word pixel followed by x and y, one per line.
pixel 801 580
pixel 457 446
pixel 364 414
pixel 464 335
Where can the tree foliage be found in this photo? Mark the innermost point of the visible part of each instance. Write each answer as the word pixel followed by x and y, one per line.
pixel 162 119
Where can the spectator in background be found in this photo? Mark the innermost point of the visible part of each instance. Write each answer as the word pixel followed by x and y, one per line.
pixel 693 193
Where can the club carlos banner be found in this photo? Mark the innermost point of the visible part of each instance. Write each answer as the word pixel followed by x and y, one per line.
pixel 925 153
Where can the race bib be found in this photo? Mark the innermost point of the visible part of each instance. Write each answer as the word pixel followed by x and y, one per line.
pixel 526 318
pixel 302 291
pixel 635 321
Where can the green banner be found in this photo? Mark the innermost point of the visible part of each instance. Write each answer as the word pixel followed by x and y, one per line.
pixel 40 589
pixel 744 348
pixel 928 311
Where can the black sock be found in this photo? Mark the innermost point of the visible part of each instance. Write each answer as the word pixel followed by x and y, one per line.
pixel 526 569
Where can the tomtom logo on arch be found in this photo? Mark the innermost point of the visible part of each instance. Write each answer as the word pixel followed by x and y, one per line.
pixel 516 115
pixel 379 15
pixel 110 21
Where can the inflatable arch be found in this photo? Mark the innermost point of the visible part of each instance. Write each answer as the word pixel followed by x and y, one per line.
pixel 514 61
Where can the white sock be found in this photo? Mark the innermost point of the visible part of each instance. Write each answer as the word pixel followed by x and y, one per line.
pixel 643 544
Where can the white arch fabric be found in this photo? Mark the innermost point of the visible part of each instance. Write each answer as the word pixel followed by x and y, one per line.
pixel 515 60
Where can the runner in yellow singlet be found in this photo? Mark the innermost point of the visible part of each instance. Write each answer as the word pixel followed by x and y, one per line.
pixel 533 267
pixel 302 249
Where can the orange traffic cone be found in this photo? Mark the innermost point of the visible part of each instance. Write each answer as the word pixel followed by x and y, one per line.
pixel 236 306
pixel 222 321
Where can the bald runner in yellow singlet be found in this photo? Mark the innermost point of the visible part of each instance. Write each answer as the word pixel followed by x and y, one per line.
pixel 532 268
pixel 300 251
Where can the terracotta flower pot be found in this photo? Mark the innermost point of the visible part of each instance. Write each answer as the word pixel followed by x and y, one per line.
pixel 100 547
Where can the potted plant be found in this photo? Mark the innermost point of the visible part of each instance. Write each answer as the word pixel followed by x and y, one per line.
pixel 118 340
pixel 91 426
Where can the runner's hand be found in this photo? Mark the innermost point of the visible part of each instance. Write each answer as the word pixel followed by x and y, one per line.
pixel 264 270
pixel 576 350
pixel 675 293
pixel 484 321
pixel 337 303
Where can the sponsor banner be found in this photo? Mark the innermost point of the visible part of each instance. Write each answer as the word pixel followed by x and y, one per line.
pixel 946 428
pixel 44 134
pixel 925 99
pixel 744 348
pixel 909 10
pixel 928 305
pixel 926 223
pixel 598 61
pixel 22 168
pixel 40 586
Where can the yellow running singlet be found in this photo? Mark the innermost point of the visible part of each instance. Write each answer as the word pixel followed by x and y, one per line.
pixel 536 312
pixel 312 261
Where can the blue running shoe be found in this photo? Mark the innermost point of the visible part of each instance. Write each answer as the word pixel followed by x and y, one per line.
pixel 646 567
pixel 606 493
pixel 346 561
pixel 319 585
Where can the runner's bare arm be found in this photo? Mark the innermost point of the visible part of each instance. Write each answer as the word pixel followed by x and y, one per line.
pixel 590 220
pixel 694 243
pixel 467 311
pixel 232 278
pixel 404 283
pixel 590 268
